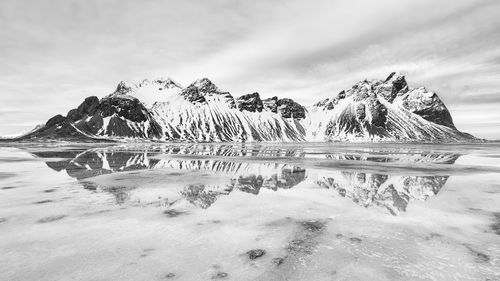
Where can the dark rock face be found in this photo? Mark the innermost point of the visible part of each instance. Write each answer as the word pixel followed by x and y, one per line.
pixel 360 111
pixel 58 119
pixel 199 91
pixel 57 128
pixel 378 113
pixel 330 103
pixel 290 109
pixel 124 106
pixel 287 108
pixel 250 102
pixel 271 104
pixel 193 95
pixel 87 121
pixel 427 105
pixel 93 126
pixel 394 84
pixel 86 108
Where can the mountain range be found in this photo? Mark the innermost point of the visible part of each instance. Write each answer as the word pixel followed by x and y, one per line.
pixel 163 110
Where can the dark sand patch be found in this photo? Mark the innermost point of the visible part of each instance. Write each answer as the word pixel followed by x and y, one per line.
pixel 51 219
pixel 49 190
pixel 299 246
pixel 313 226
pixel 496 225
pixel 220 275
pixel 305 242
pixel 433 235
pixel 355 239
pixel 298 250
pixel 96 212
pixel 170 275
pixel 43 202
pixel 2 220
pixel 478 256
pixel 13 160
pixel 171 213
pixel 255 253
pixel 5 175
pixel 8 187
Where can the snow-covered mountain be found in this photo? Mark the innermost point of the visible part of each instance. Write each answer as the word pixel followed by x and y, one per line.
pixel 162 110
pixel 379 110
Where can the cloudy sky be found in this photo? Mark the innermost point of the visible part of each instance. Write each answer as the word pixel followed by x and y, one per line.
pixel 54 53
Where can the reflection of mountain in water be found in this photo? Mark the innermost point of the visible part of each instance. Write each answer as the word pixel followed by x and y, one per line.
pixel 442 158
pixel 364 188
pixel 204 196
pixel 393 193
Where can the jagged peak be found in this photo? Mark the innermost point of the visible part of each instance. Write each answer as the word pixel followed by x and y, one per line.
pixel 205 85
pixel 165 82
pixel 250 102
pixel 124 88
pixel 252 95
pixel 398 81
pixel 394 76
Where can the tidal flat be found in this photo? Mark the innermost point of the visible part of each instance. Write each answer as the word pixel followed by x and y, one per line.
pixel 243 211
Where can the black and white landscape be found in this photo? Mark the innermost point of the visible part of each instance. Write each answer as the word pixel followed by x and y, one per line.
pixel 332 140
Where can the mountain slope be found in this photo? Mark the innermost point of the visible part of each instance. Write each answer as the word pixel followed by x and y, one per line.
pixel 161 110
pixel 382 111
pixel 203 113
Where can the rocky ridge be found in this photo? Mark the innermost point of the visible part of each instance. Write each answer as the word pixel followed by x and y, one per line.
pixel 162 110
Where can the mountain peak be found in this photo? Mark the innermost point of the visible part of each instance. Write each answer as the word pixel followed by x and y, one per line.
pixel 203 89
pixel 394 76
pixel 123 88
pixel 166 83
pixel 205 85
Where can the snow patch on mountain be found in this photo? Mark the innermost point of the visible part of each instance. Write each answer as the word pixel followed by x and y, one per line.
pixel 149 91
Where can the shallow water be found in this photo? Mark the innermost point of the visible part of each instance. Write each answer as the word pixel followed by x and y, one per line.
pixel 250 212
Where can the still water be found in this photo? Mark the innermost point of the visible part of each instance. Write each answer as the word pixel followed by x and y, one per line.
pixel 250 212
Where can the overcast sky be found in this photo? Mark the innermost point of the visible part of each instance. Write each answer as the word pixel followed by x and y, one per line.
pixel 53 54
